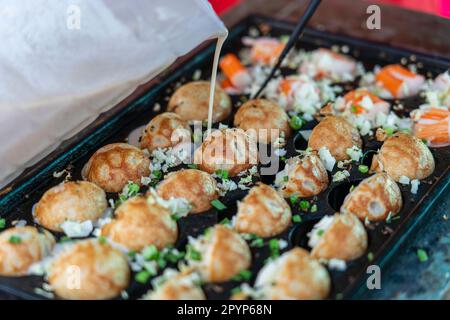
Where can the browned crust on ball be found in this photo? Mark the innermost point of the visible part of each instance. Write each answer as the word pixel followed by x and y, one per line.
pixel 114 165
pixel 404 155
pixel 337 134
pixel 263 212
pixel 16 258
pixel 196 186
pixel 307 177
pixel 229 254
pixel 300 277
pixel 158 133
pixel 70 201
pixel 138 224
pixel 380 189
pixel 346 239
pixel 261 114
pixel 104 271
pixel 191 102
pixel 240 147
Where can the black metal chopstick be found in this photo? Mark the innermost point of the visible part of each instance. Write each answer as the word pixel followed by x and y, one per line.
pixel 296 34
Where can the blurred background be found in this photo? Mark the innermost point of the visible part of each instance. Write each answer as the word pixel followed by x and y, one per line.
pixel 435 7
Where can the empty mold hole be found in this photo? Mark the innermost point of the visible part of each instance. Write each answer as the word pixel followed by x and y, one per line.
pixel 300 143
pixel 299 234
pixel 338 193
pixel 369 153
pixel 230 201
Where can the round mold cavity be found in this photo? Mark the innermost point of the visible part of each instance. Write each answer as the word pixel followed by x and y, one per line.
pixel 300 143
pixel 298 237
pixel 230 201
pixel 368 155
pixel 338 193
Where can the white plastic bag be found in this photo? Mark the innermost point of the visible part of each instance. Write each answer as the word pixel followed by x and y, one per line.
pixel 63 62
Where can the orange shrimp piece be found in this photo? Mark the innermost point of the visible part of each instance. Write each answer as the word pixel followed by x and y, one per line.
pixel 433 125
pixel 231 66
pixel 225 83
pixel 356 96
pixel 387 77
pixel 265 52
pixel 286 86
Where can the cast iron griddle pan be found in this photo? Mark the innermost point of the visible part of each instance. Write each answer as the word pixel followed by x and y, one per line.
pixel 384 238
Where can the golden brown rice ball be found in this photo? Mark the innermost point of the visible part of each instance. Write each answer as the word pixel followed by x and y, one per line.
pixel 89 270
pixel 295 275
pixel 404 155
pixel 263 212
pixel 374 198
pixel 76 201
pixel 341 236
pixel 336 134
pixel 198 187
pixel 191 102
pixel 306 177
pixel 20 247
pixel 140 222
pixel 263 116
pixel 165 130
pixel 114 165
pixel 223 254
pixel 231 150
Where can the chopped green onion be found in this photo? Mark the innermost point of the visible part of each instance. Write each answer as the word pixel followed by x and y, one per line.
pixel 389 217
pixel 320 232
pixel 422 255
pixel 133 188
pixel 244 275
pixel 296 218
pixel 257 243
pixel 102 240
pixel 273 244
pixel 389 131
pixel 284 38
pixel 150 252
pixel 296 122
pixel 314 208
pixel 15 239
pixel 173 257
pixel 236 290
pixel 370 256
pixel 304 205
pixel 225 221
pixel 222 174
pixel 285 178
pixel 352 188
pixel 293 198
pixel 157 173
pixel 132 254
pixel 142 277
pixel 161 263
pixel 192 166
pixel 243 99
pixel 65 239
pixel 354 108
pixel 218 205
pixel 363 168
pixel 193 254
pixel 274 248
pixel 2 223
